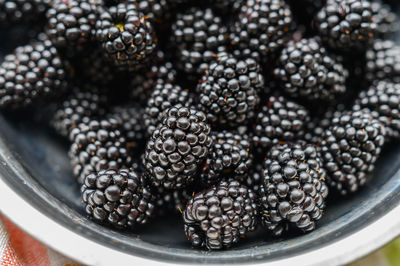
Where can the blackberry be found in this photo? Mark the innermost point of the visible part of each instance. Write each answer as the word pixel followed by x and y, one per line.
pixel 383 61
pixel 230 156
pixel 177 148
pixel 261 29
pixel 387 21
pixel 384 98
pixel 293 191
pixel 126 36
pixel 255 176
pixel 164 96
pixel 172 200
pixel 117 197
pixel 279 120
pixel 350 148
pixel 22 11
pixel 79 107
pixel 307 71
pixel 70 23
pixel 347 25
pixel 228 92
pixel 198 35
pixel 218 217
pixel 32 73
pixel 99 145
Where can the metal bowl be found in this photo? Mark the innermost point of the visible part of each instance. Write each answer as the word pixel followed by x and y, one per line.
pixel 39 194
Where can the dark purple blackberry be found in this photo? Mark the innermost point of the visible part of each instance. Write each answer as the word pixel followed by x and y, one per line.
pixel 261 30
pixel 198 34
pixel 279 120
pixel 79 107
pixel 22 11
pixel 218 217
pixel 117 197
pixel 347 24
pixel 164 96
pixel 388 22
pixel 383 61
pixel 350 148
pixel 32 73
pixel 384 98
pixel 70 23
pixel 307 71
pixel 293 191
pixel 175 151
pixel 229 90
pixel 99 145
pixel 126 36
pixel 230 156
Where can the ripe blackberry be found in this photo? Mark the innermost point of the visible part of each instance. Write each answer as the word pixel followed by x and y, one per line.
pixel 117 197
pixel 32 73
pixel 70 23
pixel 164 96
pixel 22 11
pixel 307 71
pixel 347 25
pixel 177 148
pixel 261 29
pixel 293 191
pixel 79 107
pixel 279 120
pixel 218 217
pixel 126 35
pixel 99 145
pixel 383 97
pixel 229 90
pixel 350 148
pixel 198 35
pixel 383 61
pixel 230 156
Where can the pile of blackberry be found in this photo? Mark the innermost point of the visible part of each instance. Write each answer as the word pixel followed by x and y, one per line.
pixel 233 116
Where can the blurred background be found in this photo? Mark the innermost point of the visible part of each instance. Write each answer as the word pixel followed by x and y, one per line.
pixel 387 256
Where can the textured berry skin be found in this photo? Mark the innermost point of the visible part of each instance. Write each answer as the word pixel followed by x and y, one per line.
pixel 117 197
pixel 350 148
pixel 261 29
pixel 218 217
pixel 32 73
pixel 347 24
pixel 99 145
pixel 176 149
pixel 228 92
pixel 198 35
pixel 293 191
pixel 384 98
pixel 279 120
pixel 383 61
pixel 71 22
pixel 126 36
pixel 307 71
pixel 230 156
pixel 22 11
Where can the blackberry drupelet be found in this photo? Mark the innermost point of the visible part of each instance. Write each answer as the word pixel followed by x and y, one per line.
pixel 261 29
pixel 99 145
pixel 228 92
pixel 230 156
pixel 218 217
pixel 383 61
pixel 307 71
pixel 384 98
pixel 22 11
pixel 198 35
pixel 293 191
pixel 117 197
pixel 175 151
pixel 70 23
pixel 347 25
pixel 350 148
pixel 278 120
pixel 32 73
pixel 79 107
pixel 164 96
pixel 126 36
